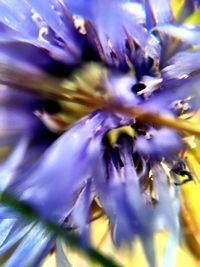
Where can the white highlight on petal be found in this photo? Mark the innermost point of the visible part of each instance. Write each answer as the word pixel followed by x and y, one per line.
pixel 136 10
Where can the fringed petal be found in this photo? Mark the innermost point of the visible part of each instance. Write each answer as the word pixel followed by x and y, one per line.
pixel 37 188
pixel 60 181
pixel 121 199
pixel 173 90
pixel 113 50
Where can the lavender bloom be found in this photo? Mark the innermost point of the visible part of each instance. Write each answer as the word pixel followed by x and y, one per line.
pixel 70 74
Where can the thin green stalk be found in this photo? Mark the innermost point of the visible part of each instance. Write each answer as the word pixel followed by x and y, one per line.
pixel 70 238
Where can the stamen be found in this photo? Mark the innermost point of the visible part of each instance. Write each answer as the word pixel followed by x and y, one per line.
pixel 97 216
pixel 89 92
pixel 146 116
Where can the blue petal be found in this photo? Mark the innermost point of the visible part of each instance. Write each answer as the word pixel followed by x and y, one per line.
pixel 148 246
pixel 181 65
pixel 168 208
pixel 15 120
pixel 61 259
pixel 81 213
pixel 43 253
pixel 125 204
pixel 127 222
pixel 37 185
pixel 120 88
pixel 170 253
pixel 112 19
pixel 17 231
pixel 41 55
pixel 18 18
pixel 162 143
pixel 7 213
pixel 189 35
pixel 169 213
pixel 89 11
pixel 8 168
pixel 31 245
pixel 79 7
pixel 32 29
pixel 49 11
pixel 16 107
pixel 121 199
pixel 174 90
pixel 158 12
pixel 55 15
pixel 5 228
pixel 45 49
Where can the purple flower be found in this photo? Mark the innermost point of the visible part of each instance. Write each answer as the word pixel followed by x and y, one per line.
pixel 71 73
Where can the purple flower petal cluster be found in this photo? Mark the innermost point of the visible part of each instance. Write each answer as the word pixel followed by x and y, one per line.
pixel 149 81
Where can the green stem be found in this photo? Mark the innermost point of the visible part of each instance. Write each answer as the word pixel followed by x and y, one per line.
pixel 70 239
